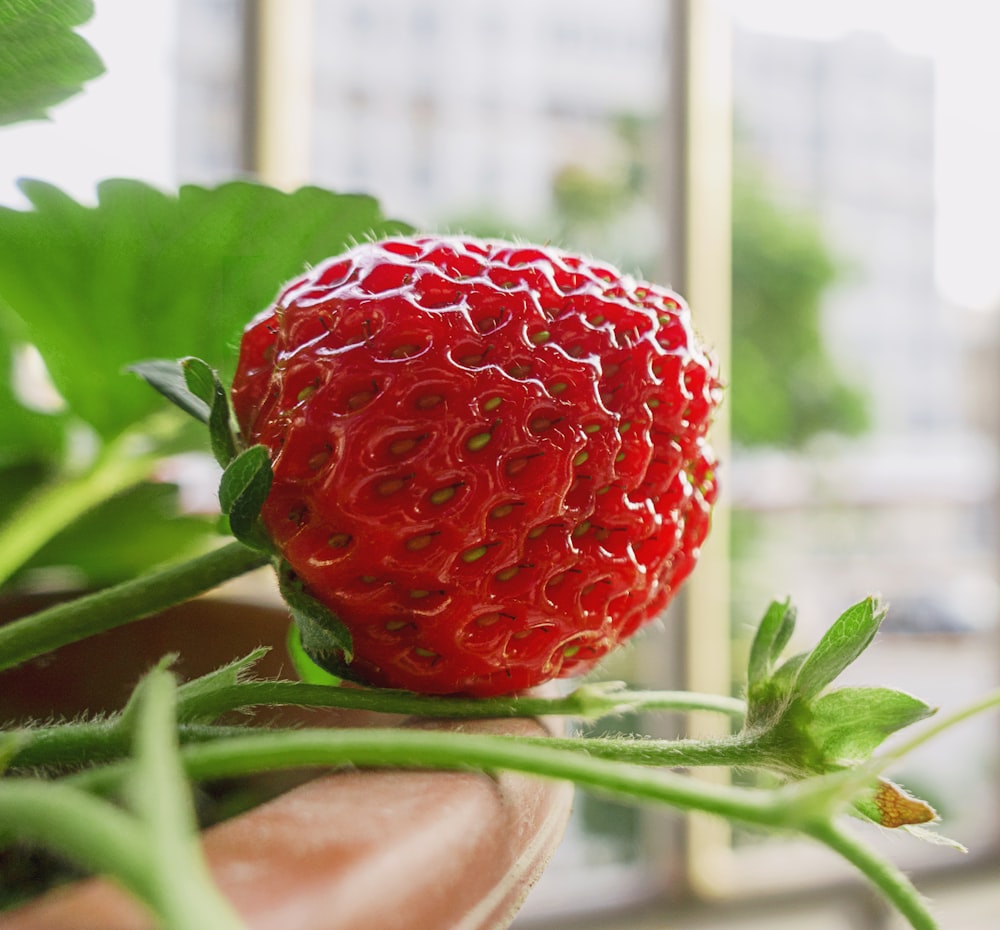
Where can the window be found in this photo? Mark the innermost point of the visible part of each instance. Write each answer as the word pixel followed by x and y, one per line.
pixel 865 421
pixel 882 478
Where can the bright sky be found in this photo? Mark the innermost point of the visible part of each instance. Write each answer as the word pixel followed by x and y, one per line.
pixel 123 125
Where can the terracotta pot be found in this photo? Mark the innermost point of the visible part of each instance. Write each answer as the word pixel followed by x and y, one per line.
pixel 335 851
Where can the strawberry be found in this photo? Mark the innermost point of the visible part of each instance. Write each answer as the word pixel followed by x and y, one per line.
pixel 489 459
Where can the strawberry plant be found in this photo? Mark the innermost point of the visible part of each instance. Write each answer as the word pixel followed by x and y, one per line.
pixel 474 467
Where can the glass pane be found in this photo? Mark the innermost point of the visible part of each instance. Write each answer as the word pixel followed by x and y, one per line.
pixel 864 385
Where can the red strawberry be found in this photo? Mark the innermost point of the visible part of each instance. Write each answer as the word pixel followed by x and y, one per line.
pixel 489 459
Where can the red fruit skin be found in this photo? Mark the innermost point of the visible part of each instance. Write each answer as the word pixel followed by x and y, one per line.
pixel 489 459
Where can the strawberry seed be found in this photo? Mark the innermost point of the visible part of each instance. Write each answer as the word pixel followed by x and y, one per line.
pixel 474 555
pixel 387 488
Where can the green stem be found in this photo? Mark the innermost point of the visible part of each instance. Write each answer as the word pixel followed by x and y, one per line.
pixel 79 744
pixel 402 748
pixel 93 833
pixel 69 745
pixel 897 888
pixel 124 462
pixel 736 751
pixel 83 743
pixel 807 806
pixel 158 791
pixel 586 702
pixel 112 607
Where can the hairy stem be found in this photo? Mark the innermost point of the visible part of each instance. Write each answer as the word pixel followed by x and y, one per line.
pixel 93 833
pixel 94 742
pixel 158 792
pixel 587 701
pixel 252 752
pixel 112 607
pixel 78 744
pixel 808 806
pixel 69 745
pixel 897 888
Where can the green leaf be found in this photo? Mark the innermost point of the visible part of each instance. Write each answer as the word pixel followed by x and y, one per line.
pixel 849 636
pixel 20 480
pixel 243 489
pixel 26 435
pixel 42 60
pixel 772 636
pixel 181 888
pixel 851 723
pixel 194 386
pixel 323 637
pixel 144 274
pixel 113 541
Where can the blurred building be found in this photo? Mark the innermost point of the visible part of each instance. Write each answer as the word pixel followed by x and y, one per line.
pixel 846 129
pixel 435 106
pixel 210 129
pixel 443 105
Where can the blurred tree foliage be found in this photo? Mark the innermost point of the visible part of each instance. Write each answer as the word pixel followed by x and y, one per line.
pixel 785 388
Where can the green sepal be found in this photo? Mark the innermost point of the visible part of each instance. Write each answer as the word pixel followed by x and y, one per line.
pixel 849 636
pixel 768 700
pixel 129 719
pixel 169 379
pixel 244 487
pixel 192 692
pixel 772 636
pixel 203 381
pixel 323 637
pixel 307 670
pixel 194 386
pixel 804 730
pixel 851 723
pixel 934 838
